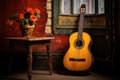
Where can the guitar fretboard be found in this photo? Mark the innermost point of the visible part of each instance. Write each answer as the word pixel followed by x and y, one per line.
pixel 81 21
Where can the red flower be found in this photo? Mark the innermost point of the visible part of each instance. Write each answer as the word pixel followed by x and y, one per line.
pixel 9 22
pixel 37 11
pixel 30 10
pixel 20 16
pixel 33 18
pixel 28 17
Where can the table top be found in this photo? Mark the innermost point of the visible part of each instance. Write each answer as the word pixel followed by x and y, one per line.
pixel 30 39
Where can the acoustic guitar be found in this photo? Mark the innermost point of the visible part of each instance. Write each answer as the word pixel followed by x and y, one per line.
pixel 78 57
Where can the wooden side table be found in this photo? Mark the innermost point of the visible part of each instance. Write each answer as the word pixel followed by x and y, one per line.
pixel 29 43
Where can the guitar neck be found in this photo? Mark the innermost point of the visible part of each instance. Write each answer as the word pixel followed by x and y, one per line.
pixel 81 19
pixel 80 26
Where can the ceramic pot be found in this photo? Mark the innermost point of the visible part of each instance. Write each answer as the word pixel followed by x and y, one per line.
pixel 27 30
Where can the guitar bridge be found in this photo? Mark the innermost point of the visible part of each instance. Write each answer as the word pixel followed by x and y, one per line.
pixel 77 59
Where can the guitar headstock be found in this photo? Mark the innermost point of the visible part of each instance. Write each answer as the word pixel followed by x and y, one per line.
pixel 83 8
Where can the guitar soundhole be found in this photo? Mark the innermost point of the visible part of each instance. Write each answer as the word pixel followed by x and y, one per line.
pixel 79 43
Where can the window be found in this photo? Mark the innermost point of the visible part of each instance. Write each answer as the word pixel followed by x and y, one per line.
pixel 66 8
pixel 66 13
pixel 101 8
pixel 69 7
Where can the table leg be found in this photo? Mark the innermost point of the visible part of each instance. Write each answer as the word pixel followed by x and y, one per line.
pixel 10 57
pixel 29 57
pixel 49 58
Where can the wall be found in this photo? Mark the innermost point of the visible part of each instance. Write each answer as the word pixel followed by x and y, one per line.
pixel 117 34
pixel 43 26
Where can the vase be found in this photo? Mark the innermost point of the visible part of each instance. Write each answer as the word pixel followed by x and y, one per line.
pixel 27 30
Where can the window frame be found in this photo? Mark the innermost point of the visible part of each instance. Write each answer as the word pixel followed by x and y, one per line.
pixel 61 29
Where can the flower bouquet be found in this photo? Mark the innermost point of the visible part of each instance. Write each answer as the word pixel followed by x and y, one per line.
pixel 27 20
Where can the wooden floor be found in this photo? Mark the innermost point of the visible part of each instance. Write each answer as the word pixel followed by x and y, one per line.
pixel 58 75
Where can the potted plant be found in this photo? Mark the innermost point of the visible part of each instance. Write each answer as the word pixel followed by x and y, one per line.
pixel 27 20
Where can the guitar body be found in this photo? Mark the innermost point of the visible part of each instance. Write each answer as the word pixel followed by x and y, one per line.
pixel 78 58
